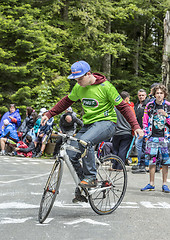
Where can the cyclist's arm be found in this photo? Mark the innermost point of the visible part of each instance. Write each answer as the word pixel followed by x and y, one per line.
pixel 61 106
pixel 126 111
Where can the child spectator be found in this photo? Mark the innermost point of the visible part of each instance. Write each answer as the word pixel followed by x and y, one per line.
pixel 38 120
pixel 9 135
pixel 42 135
pixel 156 122
pixel 25 149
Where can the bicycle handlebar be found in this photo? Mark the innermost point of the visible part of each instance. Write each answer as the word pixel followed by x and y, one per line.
pixel 82 142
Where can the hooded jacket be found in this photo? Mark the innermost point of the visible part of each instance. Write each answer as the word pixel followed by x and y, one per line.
pixel 15 122
pixel 10 132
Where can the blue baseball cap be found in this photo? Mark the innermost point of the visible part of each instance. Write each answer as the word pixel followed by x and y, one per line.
pixel 79 69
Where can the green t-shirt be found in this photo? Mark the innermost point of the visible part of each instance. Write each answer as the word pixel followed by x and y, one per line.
pixel 98 101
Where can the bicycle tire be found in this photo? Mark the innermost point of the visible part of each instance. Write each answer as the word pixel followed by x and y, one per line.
pixel 51 190
pixel 114 183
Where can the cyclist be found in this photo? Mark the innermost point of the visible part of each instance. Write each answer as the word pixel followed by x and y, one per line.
pixel 98 97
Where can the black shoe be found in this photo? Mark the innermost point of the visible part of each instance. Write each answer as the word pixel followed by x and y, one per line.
pixel 53 157
pixel 134 167
pixel 34 155
pixel 39 154
pixel 141 169
pixel 11 154
pixel 78 196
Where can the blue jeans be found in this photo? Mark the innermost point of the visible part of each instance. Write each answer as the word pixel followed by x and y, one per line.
pixel 94 134
pixel 138 144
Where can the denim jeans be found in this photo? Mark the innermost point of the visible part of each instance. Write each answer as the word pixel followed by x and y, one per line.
pixel 93 133
pixel 138 144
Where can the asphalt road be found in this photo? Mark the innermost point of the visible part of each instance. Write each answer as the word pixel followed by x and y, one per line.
pixel 142 215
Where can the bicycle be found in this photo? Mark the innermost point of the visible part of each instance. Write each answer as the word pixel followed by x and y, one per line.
pixel 103 199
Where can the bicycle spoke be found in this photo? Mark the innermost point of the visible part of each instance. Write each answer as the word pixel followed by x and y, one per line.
pixel 50 191
pixel 111 187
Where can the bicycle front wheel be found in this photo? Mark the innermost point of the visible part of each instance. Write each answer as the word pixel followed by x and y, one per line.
pixel 109 193
pixel 51 190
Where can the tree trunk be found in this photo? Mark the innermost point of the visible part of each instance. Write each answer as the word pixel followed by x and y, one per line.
pixel 166 53
pixel 107 58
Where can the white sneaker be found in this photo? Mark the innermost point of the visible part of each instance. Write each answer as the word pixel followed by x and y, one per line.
pixel 2 153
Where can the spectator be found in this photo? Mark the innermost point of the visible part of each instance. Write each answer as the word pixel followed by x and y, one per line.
pixel 155 121
pixel 27 124
pixel 68 124
pixel 38 120
pixel 98 97
pixel 140 167
pixel 139 110
pixel 151 96
pixel 123 135
pixel 26 149
pixel 9 135
pixel 13 117
pixel 42 135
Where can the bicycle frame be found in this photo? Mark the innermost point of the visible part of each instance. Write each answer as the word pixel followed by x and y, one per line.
pixel 63 155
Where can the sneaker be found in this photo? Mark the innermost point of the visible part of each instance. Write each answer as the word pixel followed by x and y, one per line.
pixel 88 183
pixel 78 196
pixel 134 167
pixel 11 154
pixel 34 155
pixel 165 189
pixel 20 155
pixel 39 154
pixel 140 169
pixel 2 153
pixel 148 188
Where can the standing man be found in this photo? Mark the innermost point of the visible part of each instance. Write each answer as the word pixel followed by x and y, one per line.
pixel 123 135
pixel 98 97
pixel 139 110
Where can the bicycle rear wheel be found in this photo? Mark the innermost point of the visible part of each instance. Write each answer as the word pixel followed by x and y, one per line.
pixel 51 190
pixel 107 196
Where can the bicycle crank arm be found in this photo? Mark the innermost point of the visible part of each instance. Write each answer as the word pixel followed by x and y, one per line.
pixel 91 191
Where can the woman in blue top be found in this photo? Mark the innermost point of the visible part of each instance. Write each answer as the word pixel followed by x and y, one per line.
pixel 13 117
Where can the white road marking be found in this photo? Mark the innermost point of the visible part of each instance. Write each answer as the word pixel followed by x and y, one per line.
pixel 32 193
pixel 155 205
pixel 71 205
pixel 17 205
pixel 87 220
pixel 23 179
pixel 14 220
pixel 129 205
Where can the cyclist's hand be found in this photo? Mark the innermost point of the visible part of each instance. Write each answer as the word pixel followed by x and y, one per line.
pixel 44 119
pixel 139 132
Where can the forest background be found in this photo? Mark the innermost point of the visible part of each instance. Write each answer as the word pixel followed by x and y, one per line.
pixel 41 39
